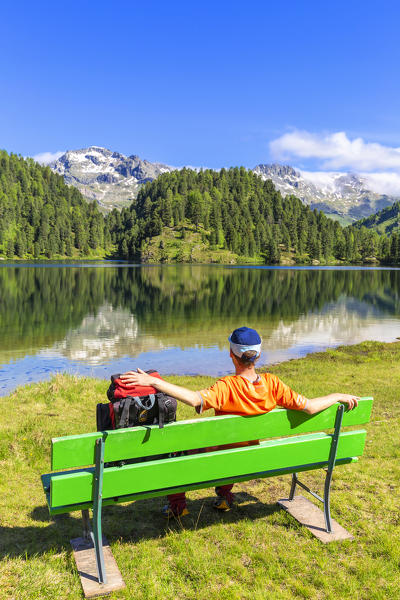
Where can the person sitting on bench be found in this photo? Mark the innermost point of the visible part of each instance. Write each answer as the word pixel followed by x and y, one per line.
pixel 245 393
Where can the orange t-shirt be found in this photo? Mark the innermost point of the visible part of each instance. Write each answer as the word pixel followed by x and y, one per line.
pixel 236 395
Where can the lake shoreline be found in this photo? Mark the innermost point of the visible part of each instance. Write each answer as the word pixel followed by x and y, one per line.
pixel 241 261
pixel 336 353
pixel 116 262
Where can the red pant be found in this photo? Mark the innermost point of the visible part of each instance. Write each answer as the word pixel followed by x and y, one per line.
pixel 177 502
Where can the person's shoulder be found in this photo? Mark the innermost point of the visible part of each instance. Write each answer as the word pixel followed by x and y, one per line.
pixel 269 377
pixel 226 379
pixel 232 378
pixel 222 381
pixel 236 382
pixel 230 381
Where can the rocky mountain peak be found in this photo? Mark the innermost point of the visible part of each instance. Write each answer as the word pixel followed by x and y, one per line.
pixel 345 195
pixel 113 180
pixel 276 169
pixel 110 178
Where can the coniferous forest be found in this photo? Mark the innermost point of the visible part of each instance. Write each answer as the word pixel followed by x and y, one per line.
pixel 230 215
pixel 236 210
pixel 42 217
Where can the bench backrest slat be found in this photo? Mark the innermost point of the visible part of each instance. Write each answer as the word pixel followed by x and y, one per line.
pixel 78 450
pixel 76 488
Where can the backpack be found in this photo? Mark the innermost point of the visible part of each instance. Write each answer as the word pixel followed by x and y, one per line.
pixel 132 406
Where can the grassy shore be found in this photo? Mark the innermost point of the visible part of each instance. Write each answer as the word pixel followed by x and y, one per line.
pixel 190 244
pixel 253 552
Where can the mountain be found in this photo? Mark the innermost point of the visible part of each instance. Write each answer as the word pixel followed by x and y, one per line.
pixel 344 195
pixel 114 180
pixel 386 220
pixel 110 178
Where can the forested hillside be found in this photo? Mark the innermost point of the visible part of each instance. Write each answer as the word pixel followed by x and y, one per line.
pixel 40 216
pixel 184 216
pixel 236 212
pixel 386 220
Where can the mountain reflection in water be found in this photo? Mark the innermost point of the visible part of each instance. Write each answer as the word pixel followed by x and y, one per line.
pixel 96 320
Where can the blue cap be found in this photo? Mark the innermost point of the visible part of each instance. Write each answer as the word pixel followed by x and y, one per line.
pixel 245 337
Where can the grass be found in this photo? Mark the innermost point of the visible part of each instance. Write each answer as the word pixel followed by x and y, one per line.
pixel 94 254
pixel 171 247
pixel 253 552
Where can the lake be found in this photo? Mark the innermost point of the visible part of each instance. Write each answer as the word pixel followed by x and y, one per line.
pixel 102 318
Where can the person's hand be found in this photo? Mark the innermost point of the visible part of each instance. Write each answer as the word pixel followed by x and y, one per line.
pixel 349 400
pixel 138 377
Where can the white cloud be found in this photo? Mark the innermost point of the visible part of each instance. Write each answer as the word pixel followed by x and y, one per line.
pixel 383 183
pixel 322 179
pixel 45 158
pixel 336 151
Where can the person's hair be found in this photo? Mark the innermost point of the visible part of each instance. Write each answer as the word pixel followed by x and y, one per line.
pixel 247 359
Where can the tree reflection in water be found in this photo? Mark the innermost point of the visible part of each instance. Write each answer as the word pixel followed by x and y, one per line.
pixel 95 314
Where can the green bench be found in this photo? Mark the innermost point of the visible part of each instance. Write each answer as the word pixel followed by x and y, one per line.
pixel 78 485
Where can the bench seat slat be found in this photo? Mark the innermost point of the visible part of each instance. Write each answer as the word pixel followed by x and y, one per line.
pixel 77 487
pixel 57 510
pixel 78 450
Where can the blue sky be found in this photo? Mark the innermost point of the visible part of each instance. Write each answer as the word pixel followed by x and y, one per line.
pixel 216 84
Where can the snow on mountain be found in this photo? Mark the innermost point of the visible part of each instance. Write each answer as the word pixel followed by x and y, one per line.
pixel 347 195
pixel 113 180
pixel 110 178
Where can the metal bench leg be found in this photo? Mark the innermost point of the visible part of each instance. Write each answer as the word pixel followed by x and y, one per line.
pixel 327 502
pixel 86 525
pixel 293 487
pixel 328 479
pixel 97 536
pixel 331 465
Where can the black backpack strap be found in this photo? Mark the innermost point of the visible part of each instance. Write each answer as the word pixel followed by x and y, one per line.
pixel 124 419
pixel 161 410
pixel 103 417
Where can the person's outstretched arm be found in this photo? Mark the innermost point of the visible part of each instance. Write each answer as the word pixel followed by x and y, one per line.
pixel 183 394
pixel 315 405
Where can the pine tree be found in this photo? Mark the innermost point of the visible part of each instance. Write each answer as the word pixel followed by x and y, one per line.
pixel 394 253
pixel 10 249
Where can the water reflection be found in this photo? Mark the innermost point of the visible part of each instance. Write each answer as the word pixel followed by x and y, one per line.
pixel 52 318
pixel 110 334
pixel 344 322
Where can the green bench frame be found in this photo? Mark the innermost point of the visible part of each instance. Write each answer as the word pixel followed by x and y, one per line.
pixel 77 488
